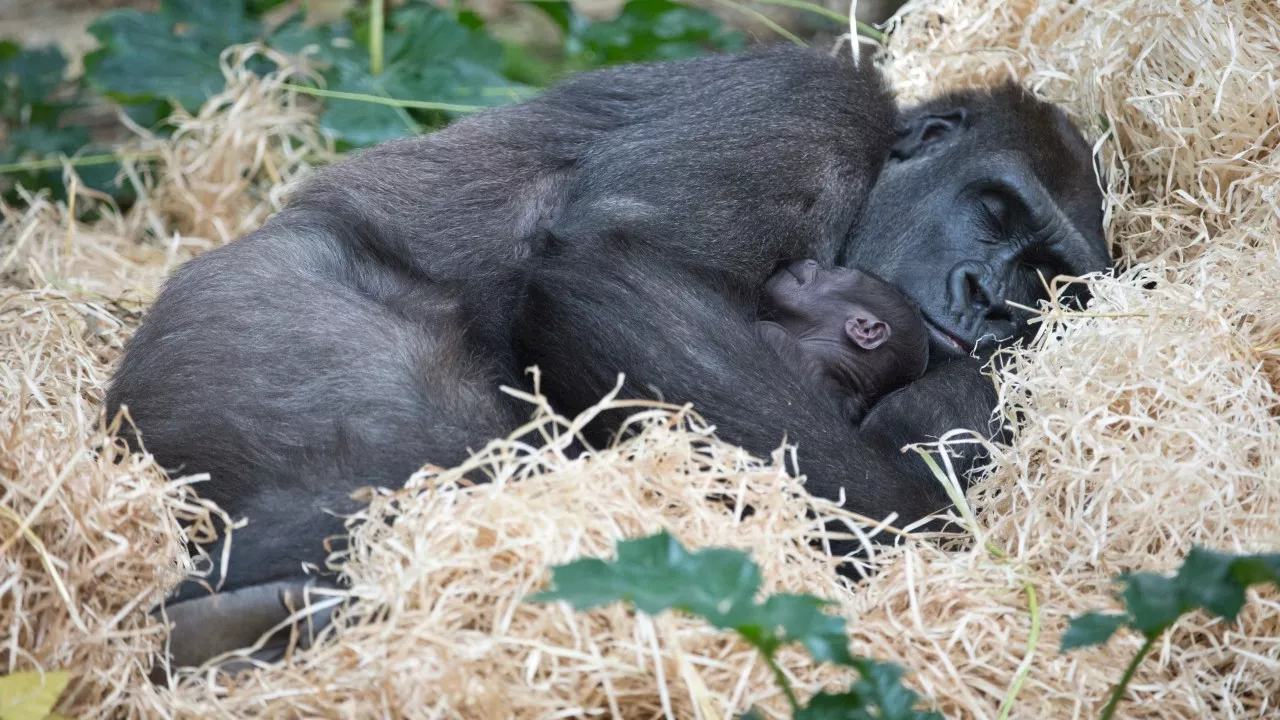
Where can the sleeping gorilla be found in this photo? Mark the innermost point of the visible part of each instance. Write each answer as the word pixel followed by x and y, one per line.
pixel 624 221
pixel 851 336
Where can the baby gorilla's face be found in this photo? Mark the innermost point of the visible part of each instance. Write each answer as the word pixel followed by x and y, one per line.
pixel 866 334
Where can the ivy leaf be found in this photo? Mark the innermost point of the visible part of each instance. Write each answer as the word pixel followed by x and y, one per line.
pixel 1092 628
pixel 31 695
pixel 425 35
pixel 1152 600
pixel 28 76
pixel 881 685
pixel 656 573
pixel 799 618
pixel 1254 569
pixel 652 30
pixel 1206 580
pixel 169 54
pixel 359 123
pixel 877 695
pixel 559 11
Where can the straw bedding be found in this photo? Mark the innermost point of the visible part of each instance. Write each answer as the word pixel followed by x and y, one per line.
pixel 1148 423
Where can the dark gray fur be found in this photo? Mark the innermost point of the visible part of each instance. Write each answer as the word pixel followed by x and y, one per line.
pixel 623 221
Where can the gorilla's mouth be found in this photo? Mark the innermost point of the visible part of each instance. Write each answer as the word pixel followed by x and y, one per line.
pixel 944 337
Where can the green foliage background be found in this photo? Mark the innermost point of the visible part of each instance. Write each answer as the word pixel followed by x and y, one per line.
pixel 447 61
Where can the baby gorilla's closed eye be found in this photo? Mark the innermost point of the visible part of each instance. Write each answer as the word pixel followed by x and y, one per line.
pixel 852 336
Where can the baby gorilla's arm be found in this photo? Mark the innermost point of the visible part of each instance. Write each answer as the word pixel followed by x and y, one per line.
pixel 810 370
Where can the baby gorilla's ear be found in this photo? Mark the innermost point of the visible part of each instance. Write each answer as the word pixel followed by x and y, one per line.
pixel 865 332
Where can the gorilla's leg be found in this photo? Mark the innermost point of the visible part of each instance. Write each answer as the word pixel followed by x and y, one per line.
pixel 294 375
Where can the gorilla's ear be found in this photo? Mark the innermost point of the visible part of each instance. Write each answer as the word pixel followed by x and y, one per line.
pixel 926 129
pixel 866 333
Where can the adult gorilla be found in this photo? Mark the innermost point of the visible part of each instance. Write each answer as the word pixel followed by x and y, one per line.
pixel 623 221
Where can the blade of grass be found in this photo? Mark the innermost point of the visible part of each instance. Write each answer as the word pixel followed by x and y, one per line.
pixel 377 26
pixel 393 102
pixel 863 29
pixel 54 163
pixel 761 18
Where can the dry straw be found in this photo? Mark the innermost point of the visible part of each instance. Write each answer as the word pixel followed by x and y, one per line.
pixel 1147 424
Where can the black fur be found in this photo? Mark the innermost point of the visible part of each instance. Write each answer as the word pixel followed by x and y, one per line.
pixel 623 221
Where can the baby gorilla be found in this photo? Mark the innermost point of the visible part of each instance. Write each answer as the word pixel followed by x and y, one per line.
pixel 852 336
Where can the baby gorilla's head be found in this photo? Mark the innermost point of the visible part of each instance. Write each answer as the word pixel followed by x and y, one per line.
pixel 862 332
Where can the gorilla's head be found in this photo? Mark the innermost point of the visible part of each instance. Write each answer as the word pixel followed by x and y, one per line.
pixel 984 192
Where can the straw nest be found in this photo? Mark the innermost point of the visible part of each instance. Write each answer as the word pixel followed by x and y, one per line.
pixel 1148 424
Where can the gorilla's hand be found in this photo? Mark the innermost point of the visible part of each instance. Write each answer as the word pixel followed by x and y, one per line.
pixel 955 394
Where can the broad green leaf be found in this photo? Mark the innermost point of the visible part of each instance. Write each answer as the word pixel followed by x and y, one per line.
pixel 424 35
pixel 1152 600
pixel 560 11
pixel 656 573
pixel 256 8
pixel 858 704
pixel 1254 569
pixel 43 140
pixel 31 695
pixel 1206 580
pixel 881 685
pixel 170 54
pixel 360 123
pixel 799 618
pixel 29 76
pixel 652 30
pixel 1092 628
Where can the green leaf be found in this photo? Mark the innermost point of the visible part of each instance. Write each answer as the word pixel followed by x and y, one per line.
pixel 256 8
pixel 651 30
pixel 43 140
pixel 360 124
pixel 878 695
pixel 559 11
pixel 1092 628
pixel 170 54
pixel 799 618
pixel 1254 569
pixel 1152 600
pixel 29 76
pixel 1206 580
pixel 426 35
pixel 31 695
pixel 656 573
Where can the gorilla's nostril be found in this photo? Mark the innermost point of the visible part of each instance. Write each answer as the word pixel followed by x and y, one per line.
pixel 975 292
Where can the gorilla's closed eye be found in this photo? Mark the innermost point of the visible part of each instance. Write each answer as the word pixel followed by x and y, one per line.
pixel 996 206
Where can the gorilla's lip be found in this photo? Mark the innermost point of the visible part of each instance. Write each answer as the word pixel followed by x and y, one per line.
pixel 944 336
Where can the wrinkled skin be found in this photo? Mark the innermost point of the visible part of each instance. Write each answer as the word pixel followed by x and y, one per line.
pixel 622 222
pixel 852 336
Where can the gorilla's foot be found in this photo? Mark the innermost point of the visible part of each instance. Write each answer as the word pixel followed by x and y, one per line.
pixel 269 618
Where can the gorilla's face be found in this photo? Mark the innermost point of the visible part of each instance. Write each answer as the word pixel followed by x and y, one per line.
pixel 964 218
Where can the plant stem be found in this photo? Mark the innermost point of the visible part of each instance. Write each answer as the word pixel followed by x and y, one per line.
pixel 1118 692
pixel 376 100
pixel 83 161
pixel 763 19
pixel 782 682
pixel 377 25
pixel 1024 667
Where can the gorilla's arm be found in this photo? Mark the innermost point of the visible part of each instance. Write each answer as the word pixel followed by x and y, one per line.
pixel 666 329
